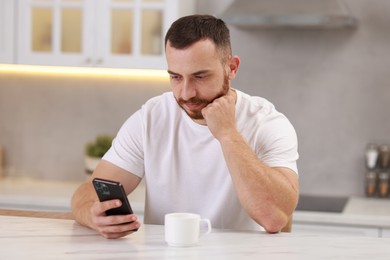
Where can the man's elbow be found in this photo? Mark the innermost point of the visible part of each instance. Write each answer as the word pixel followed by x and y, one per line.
pixel 273 228
pixel 274 224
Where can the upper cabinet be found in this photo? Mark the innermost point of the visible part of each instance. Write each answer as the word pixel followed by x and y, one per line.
pixel 103 33
pixel 7 31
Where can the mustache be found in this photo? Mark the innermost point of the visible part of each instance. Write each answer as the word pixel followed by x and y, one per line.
pixel 197 100
pixel 193 100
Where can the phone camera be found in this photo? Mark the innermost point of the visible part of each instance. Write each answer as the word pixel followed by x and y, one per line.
pixel 105 189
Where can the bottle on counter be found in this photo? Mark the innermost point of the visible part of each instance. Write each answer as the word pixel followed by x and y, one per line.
pixel 372 154
pixel 383 186
pixel 384 156
pixel 371 183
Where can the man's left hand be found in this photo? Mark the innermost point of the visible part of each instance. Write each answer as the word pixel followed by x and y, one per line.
pixel 220 115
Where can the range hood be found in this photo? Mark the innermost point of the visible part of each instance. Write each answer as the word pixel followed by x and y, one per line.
pixel 297 14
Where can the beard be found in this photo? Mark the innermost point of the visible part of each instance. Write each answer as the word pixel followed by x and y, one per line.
pixel 196 114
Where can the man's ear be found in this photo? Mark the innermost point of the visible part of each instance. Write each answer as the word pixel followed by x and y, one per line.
pixel 234 63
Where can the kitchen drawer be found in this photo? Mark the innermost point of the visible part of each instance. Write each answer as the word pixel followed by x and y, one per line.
pixel 336 230
pixel 385 232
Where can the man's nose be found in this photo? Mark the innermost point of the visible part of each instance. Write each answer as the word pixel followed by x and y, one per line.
pixel 188 90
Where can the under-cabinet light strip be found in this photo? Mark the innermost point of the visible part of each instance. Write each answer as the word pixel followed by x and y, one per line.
pixel 139 73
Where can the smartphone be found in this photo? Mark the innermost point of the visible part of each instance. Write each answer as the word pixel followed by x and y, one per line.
pixel 109 190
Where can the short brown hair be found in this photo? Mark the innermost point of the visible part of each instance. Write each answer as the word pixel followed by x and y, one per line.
pixel 190 29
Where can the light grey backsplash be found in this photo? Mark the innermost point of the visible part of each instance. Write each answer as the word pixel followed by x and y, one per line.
pixel 45 122
pixel 333 85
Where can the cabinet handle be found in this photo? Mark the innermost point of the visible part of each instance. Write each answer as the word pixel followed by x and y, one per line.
pixel 99 61
pixel 88 60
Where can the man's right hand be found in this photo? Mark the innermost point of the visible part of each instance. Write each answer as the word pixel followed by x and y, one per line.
pixel 114 226
pixel 89 212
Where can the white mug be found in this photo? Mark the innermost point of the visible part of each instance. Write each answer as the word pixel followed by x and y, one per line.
pixel 183 229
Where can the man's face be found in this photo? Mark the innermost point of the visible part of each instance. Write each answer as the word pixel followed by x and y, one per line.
pixel 197 76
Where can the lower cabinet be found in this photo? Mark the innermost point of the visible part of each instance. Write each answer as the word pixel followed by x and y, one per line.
pixel 336 230
pixel 385 232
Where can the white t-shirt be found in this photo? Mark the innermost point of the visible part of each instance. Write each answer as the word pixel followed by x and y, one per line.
pixel 183 164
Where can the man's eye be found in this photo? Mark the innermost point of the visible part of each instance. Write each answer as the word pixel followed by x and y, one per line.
pixel 175 77
pixel 200 77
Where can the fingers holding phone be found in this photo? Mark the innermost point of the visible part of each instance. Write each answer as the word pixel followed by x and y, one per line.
pixel 113 215
pixel 114 226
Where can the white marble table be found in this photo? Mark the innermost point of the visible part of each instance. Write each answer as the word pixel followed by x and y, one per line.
pixel 39 238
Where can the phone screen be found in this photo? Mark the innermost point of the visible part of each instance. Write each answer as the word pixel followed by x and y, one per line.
pixel 109 190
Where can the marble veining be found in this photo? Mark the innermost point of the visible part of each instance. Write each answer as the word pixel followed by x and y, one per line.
pixel 35 238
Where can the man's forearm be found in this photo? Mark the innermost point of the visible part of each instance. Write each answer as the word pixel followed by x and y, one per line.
pixel 268 194
pixel 81 203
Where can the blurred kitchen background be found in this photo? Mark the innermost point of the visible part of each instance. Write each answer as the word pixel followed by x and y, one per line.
pixel 333 85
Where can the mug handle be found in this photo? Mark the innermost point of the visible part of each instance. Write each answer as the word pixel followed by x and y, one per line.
pixel 208 223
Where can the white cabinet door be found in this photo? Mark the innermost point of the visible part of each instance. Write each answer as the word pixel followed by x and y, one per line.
pixel 333 230
pixel 130 33
pixel 104 33
pixel 55 32
pixel 7 31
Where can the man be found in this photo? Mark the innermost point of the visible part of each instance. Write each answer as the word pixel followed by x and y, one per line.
pixel 203 148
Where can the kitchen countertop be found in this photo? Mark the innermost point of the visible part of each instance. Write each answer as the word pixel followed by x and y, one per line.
pixel 39 238
pixel 31 194
pixel 359 211
pixel 22 193
pixel 368 206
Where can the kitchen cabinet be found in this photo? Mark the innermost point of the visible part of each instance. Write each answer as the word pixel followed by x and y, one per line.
pixel 385 232
pixel 7 31
pixel 360 216
pixel 104 33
